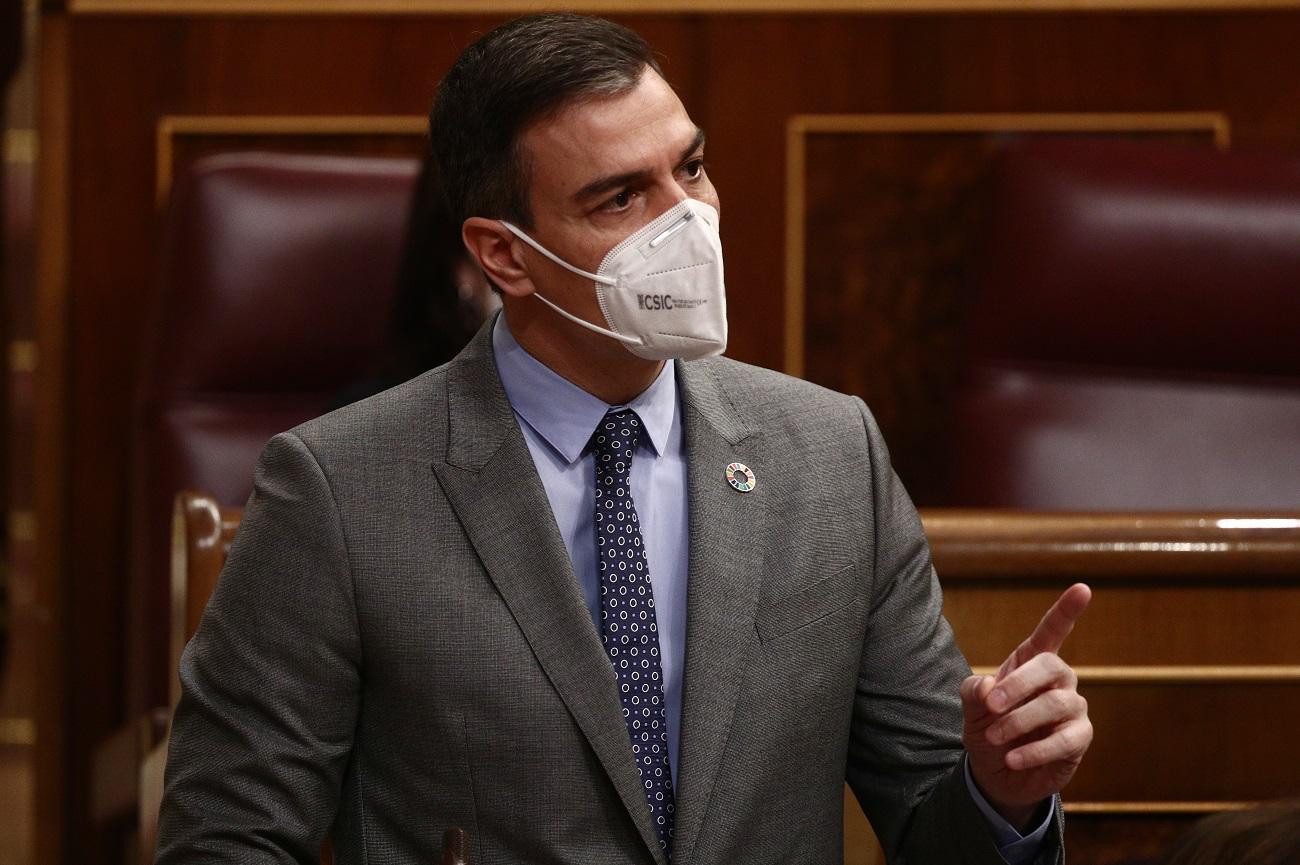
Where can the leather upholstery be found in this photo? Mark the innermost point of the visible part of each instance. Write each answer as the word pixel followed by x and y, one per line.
pixel 277 289
pixel 1135 345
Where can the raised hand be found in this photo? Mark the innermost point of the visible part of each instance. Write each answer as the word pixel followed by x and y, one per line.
pixel 1027 728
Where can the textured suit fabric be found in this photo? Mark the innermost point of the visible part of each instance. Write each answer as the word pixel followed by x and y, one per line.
pixel 398 645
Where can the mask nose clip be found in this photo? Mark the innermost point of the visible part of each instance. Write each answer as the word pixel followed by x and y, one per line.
pixel 671 230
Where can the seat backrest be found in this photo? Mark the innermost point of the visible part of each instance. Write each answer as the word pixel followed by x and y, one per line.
pixel 278 283
pixel 1134 344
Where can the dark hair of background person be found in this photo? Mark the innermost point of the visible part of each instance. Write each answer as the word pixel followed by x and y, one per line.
pixel 440 301
pixel 513 76
pixel 1267 835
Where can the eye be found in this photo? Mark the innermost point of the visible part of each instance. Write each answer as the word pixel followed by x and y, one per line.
pixel 621 201
pixel 695 168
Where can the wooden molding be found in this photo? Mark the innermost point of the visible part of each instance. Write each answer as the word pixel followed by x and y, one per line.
pixel 53 494
pixel 1147 808
pixel 800 126
pixel 21 146
pixel 172 126
pixel 22 355
pixel 17 732
pixel 650 7
pixel 1181 675
pixel 977 544
pixel 22 527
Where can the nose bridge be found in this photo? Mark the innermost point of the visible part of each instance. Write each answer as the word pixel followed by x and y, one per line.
pixel 665 190
pixel 678 191
pixel 669 193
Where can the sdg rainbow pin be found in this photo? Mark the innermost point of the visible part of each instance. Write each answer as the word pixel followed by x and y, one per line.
pixel 741 477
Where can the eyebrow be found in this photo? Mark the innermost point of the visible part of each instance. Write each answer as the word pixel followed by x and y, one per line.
pixel 615 181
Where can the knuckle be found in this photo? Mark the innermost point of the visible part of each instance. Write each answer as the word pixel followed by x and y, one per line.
pixel 1034 752
pixel 1010 728
pixel 1077 737
pixel 1058 667
pixel 1069 739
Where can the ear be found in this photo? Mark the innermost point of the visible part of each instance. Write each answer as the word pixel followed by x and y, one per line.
pixel 496 251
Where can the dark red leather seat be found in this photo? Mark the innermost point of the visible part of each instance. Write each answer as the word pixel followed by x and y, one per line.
pixel 277 290
pixel 1137 340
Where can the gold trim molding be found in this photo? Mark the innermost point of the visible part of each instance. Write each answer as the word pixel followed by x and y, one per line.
pixel 1263 674
pixel 17 731
pixel 22 355
pixel 190 8
pixel 21 146
pixel 800 126
pixel 22 527
pixel 1155 807
pixel 172 126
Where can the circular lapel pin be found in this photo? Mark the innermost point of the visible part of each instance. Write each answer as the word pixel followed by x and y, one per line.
pixel 741 477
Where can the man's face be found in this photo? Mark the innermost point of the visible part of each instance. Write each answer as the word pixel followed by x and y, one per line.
pixel 600 170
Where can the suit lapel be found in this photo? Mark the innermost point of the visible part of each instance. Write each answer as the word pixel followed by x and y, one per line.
pixel 727 555
pixel 492 484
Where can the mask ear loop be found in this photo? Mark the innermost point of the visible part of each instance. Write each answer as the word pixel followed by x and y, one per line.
pixel 603 280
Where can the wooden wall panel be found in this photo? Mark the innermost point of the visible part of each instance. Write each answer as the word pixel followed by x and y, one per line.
pixel 741 76
pixel 1190 743
pixel 1108 839
pixel 1138 623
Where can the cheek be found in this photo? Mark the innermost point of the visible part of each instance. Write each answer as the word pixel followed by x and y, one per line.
pixel 575 293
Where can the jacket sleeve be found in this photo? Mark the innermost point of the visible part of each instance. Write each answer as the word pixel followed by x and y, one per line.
pixel 905 747
pixel 263 733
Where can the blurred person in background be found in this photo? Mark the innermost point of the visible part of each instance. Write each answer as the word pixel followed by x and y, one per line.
pixel 1267 835
pixel 442 298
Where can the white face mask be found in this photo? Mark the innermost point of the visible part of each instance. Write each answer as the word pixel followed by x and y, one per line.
pixel 661 289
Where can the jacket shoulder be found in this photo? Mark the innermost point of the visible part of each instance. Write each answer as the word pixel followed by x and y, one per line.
pixel 396 420
pixel 770 398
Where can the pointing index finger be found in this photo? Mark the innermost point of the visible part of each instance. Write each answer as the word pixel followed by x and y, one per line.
pixel 1054 627
pixel 1059 620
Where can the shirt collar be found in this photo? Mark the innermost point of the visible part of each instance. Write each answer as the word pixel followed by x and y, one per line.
pixel 565 415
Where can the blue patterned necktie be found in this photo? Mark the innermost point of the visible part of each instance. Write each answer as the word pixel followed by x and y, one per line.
pixel 627 614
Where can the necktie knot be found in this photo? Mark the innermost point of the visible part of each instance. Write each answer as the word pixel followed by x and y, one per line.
pixel 615 440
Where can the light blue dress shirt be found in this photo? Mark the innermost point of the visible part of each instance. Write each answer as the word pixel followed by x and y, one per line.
pixel 557 419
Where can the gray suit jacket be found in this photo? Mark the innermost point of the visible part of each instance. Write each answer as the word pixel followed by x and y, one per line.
pixel 398 644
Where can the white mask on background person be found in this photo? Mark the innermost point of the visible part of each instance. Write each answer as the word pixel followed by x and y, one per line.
pixel 661 288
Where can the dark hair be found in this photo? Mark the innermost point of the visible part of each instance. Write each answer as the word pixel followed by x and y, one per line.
pixel 1266 835
pixel 430 321
pixel 521 72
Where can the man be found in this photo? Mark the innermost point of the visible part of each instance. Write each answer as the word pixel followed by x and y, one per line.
pixel 585 600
